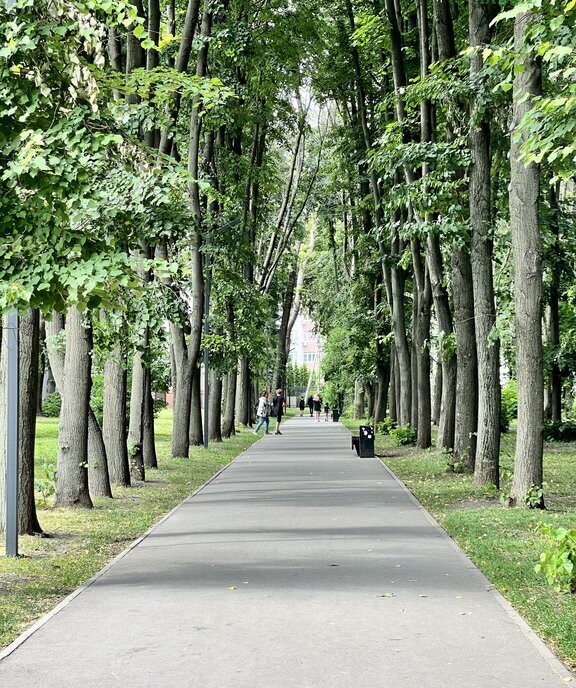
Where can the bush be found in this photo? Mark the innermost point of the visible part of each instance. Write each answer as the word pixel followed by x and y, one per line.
pixel 560 432
pixel 386 426
pixel 403 437
pixel 509 405
pixel 51 405
pixel 558 561
pixel 159 405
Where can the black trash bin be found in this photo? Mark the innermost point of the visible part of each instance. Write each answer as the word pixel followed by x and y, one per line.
pixel 366 442
pixel 335 416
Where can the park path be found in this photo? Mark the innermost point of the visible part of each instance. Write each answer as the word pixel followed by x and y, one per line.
pixel 299 566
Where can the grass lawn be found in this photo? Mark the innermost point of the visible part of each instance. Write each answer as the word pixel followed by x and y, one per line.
pixel 82 541
pixel 504 543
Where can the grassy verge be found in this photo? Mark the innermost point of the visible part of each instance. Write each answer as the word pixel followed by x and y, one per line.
pixel 504 543
pixel 82 542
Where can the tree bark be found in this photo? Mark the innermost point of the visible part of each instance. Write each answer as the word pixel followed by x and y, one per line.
pixel 243 395
pixel 359 401
pixel 487 465
pixel 215 419
pixel 148 438
pixel 554 313
pixel 98 477
pixel 437 394
pixel 447 417
pixel 402 348
pixel 467 370
pixel 228 428
pixel 28 360
pixel 196 429
pixel 527 250
pixel 136 425
pixel 114 419
pixel 72 467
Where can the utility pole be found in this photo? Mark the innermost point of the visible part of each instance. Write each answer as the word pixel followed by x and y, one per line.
pixel 12 424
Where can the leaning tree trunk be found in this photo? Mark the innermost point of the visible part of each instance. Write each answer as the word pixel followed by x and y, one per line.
pixel 98 476
pixel 467 372
pixel 230 406
pixel 72 467
pixel 487 468
pixel 527 248
pixel 437 394
pixel 114 419
pixel 29 357
pixel 215 400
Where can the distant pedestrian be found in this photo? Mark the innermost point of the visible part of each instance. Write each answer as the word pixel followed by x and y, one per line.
pixel 311 405
pixel 278 404
pixel 301 406
pixel 326 411
pixel 263 413
pixel 317 407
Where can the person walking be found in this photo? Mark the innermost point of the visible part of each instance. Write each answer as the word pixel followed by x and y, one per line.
pixel 263 413
pixel 310 404
pixel 317 407
pixel 326 411
pixel 278 404
pixel 301 406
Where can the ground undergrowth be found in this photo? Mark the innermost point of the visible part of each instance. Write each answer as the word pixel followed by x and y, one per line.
pixel 82 541
pixel 504 543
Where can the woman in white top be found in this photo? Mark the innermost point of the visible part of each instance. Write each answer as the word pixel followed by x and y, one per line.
pixel 263 413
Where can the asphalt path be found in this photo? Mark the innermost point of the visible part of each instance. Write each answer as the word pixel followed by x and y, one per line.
pixel 299 566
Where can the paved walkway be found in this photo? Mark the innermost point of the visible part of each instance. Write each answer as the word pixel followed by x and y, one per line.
pixel 299 566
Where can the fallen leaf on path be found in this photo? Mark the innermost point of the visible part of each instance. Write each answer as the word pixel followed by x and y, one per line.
pixel 232 587
pixel 388 594
pixel 423 595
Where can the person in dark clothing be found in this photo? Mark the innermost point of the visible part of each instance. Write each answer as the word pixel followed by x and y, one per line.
pixel 301 406
pixel 278 404
pixel 327 411
pixel 310 404
pixel 317 407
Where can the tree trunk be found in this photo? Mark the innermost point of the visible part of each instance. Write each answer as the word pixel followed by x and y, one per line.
pixel 215 419
pixel 422 348
pixel 467 371
pixel 282 348
pixel 114 419
pixel 393 395
pixel 359 401
pixel 228 428
pixel 554 314
pixel 196 430
pixel 404 367
pixel 487 468
pixel 98 477
pixel 185 372
pixel 72 467
pixel 243 392
pixel 437 394
pixel 29 356
pixel 136 425
pixel 148 439
pixel 369 387
pixel 448 357
pixel 527 249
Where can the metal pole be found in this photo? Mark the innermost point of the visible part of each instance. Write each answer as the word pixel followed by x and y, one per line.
pixel 207 287
pixel 12 418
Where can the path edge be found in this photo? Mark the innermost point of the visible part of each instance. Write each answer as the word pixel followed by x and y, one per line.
pixel 37 625
pixel 556 664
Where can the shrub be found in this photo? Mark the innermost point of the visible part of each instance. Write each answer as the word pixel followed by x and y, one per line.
pixel 560 432
pixel 404 436
pixel 509 405
pixel 386 426
pixel 558 561
pixel 159 405
pixel 51 405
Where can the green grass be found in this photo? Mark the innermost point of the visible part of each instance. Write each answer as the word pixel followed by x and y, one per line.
pixel 504 543
pixel 82 541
